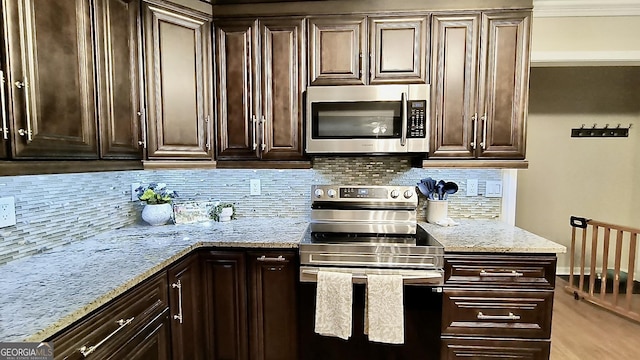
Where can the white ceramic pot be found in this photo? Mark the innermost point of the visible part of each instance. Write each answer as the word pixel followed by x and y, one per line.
pixel 225 214
pixel 437 210
pixel 157 214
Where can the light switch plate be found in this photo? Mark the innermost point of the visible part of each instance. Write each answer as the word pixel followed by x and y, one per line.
pixel 472 187
pixel 7 211
pixel 494 189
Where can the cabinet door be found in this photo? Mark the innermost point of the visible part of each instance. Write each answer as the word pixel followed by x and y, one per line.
pixel 151 343
pixel 272 299
pixel 283 79
pixel 504 84
pixel 398 50
pixel 51 82
pixel 177 45
pixel 337 46
pixel 226 304
pixel 453 85
pixel 4 117
pixel 118 70
pixel 236 75
pixel 185 309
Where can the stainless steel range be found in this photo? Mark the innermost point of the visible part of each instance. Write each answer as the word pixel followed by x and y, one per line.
pixel 369 230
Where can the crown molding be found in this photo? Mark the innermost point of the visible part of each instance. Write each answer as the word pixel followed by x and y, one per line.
pixel 568 8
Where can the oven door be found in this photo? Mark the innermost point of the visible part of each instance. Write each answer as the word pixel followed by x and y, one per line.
pixel 422 320
pixel 360 119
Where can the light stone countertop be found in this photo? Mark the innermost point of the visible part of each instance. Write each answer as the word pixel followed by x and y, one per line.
pixel 490 236
pixel 43 293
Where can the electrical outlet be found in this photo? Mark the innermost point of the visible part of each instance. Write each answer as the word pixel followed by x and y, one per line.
pixel 7 211
pixel 494 189
pixel 472 187
pixel 255 186
pixel 134 195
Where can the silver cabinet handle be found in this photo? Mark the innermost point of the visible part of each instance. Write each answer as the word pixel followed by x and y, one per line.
pixel 512 273
pixel 255 123
pixel 483 144
pixel 405 120
pixel 264 134
pixel 86 351
pixel 5 128
pixel 178 285
pixel 511 316
pixel 28 132
pixel 474 118
pixel 270 259
pixel 143 125
pixel 208 133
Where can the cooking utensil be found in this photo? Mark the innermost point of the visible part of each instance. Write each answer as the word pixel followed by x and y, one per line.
pixel 449 188
pixel 440 189
pixel 424 189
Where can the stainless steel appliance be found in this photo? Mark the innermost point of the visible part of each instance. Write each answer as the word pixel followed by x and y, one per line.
pixel 371 230
pixel 371 119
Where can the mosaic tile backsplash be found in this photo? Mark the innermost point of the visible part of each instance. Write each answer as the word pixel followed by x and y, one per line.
pixel 54 210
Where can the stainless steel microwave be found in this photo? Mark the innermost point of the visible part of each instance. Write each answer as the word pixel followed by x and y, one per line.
pixel 367 119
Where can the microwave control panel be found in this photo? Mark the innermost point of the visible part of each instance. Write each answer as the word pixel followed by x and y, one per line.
pixel 416 128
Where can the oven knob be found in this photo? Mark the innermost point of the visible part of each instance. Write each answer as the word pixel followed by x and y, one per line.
pixel 408 194
pixel 395 193
pixel 332 193
pixel 318 193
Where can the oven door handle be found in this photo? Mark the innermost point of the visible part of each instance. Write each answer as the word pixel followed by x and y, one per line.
pixel 405 120
pixel 359 276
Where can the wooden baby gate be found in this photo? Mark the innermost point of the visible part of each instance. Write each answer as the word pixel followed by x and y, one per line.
pixel 612 289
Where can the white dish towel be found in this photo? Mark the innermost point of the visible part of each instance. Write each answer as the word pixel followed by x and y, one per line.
pixel 334 301
pixel 384 309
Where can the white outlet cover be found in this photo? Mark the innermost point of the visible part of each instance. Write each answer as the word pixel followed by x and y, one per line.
pixel 255 186
pixel 494 189
pixel 472 187
pixel 7 211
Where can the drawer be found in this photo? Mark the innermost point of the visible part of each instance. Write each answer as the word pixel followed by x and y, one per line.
pixel 536 271
pixel 483 349
pixel 497 313
pixel 115 321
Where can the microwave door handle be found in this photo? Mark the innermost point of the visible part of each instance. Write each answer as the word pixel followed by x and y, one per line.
pixel 405 120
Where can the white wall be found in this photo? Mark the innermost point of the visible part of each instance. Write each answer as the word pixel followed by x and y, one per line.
pixel 597 178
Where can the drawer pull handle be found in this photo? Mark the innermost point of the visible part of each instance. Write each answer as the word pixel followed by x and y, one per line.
pixel 511 316
pixel 512 273
pixel 86 351
pixel 178 285
pixel 265 259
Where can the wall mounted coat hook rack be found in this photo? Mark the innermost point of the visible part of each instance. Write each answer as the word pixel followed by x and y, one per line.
pixel 605 131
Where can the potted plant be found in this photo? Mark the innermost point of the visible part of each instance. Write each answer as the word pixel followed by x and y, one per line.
pixel 158 198
pixel 223 212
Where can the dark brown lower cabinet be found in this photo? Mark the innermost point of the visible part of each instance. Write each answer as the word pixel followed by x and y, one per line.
pixel 482 349
pixel 250 310
pixel 135 323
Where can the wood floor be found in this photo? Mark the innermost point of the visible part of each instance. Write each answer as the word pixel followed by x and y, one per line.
pixel 582 331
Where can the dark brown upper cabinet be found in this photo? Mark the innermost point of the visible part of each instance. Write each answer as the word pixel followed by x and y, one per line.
pixel 357 50
pixel 479 85
pixel 4 118
pixel 50 79
pixel 177 53
pixel 260 79
pixel 118 68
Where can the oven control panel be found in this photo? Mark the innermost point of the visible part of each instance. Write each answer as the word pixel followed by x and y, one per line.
pixel 358 193
pixel 416 127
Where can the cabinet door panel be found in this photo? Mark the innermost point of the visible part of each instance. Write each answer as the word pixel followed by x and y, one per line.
pixel 398 50
pixel 226 303
pixel 272 283
pixel 186 309
pixel 283 74
pixel 453 91
pixel 505 80
pixel 177 56
pixel 237 121
pixel 151 343
pixel 118 68
pixel 52 78
pixel 4 114
pixel 337 47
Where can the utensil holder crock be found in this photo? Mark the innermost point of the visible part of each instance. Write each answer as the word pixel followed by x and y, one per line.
pixel 437 210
